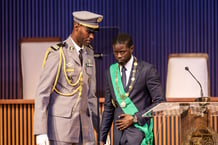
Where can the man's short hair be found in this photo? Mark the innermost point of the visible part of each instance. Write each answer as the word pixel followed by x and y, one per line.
pixel 123 38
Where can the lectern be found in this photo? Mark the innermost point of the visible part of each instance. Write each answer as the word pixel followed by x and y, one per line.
pixel 185 123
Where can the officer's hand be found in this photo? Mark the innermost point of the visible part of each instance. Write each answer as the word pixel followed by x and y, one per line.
pixel 124 121
pixel 42 139
pixel 101 143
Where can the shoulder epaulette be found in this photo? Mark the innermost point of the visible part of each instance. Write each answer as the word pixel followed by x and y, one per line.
pixel 57 46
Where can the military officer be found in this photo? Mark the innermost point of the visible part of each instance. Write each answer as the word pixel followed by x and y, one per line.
pixel 65 100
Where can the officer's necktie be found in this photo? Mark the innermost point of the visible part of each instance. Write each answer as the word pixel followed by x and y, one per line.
pixel 123 77
pixel 81 56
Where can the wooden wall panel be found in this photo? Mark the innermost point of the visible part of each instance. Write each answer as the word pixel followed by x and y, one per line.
pixel 167 130
pixel 16 121
pixel 16 124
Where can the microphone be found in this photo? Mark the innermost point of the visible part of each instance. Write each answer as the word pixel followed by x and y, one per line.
pixel 187 69
pixel 98 55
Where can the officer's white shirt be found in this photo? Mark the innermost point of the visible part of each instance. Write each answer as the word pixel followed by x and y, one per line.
pixel 76 46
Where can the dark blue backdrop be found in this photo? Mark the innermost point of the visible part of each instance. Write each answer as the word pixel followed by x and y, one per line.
pixel 158 27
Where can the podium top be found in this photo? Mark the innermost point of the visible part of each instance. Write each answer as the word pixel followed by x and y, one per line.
pixel 178 108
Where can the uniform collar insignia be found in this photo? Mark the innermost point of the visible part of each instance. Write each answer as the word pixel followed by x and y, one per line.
pixel 89 63
pixel 71 48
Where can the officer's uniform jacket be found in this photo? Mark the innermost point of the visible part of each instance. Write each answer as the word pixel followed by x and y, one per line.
pixel 61 100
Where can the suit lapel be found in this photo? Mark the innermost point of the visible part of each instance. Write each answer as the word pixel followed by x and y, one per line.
pixel 138 68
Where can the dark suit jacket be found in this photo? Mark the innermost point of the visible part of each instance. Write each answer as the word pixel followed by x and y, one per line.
pixel 146 93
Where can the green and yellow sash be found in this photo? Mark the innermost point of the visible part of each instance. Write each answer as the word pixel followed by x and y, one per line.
pixel 130 106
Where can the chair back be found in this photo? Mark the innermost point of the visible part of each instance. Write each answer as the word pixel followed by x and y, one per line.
pixel 32 52
pixel 187 73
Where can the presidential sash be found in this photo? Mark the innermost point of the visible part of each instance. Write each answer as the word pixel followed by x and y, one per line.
pixel 129 107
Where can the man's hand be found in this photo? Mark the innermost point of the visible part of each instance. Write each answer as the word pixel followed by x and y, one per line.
pixel 42 139
pixel 101 143
pixel 124 121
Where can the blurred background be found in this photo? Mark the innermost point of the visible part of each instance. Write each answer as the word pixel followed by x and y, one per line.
pixel 158 28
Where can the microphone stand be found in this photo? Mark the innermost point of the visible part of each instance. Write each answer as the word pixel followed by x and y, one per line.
pixel 201 99
pixel 187 69
pixel 203 106
pixel 98 56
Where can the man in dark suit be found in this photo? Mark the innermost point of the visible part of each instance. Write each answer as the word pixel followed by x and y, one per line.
pixel 132 88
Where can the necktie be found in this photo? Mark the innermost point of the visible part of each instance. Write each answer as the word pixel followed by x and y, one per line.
pixel 123 77
pixel 81 56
